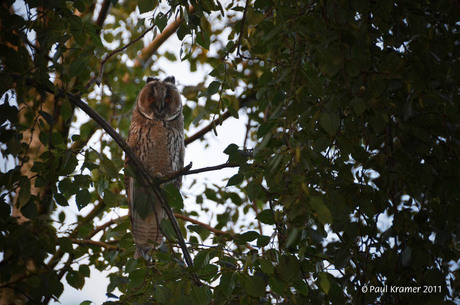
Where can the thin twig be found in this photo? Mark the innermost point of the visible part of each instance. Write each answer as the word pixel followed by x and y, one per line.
pixel 199 134
pixel 102 227
pixel 211 168
pixel 202 224
pixel 242 28
pixel 97 78
pixel 186 171
pixel 90 242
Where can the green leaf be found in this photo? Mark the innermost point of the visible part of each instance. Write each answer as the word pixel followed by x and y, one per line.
pixel 5 209
pixel 168 230
pixel 232 148
pixel 235 180
pixel 173 197
pixel 330 122
pixel 202 231
pixel 30 210
pixel 24 191
pixel 66 110
pixel 67 187
pixel 137 277
pixel 276 285
pixel 201 295
pixel 182 31
pixel 86 302
pixel 203 39
pixel 301 286
pixel 266 266
pixel 77 67
pixel 324 283
pixel 65 244
pixel 161 21
pixel 263 240
pixel 322 211
pixel 57 139
pixel 248 236
pixel 147 5
pixel 265 128
pixel 75 279
pixel 255 286
pixel 84 270
pixel 162 294
pixel 266 217
pixel 60 199
pixel 227 283
pixel 83 198
pixel 201 259
pixel 108 167
pixel 48 117
pixel 254 189
pixel 213 88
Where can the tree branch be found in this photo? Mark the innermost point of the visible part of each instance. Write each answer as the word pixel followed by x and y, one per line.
pixel 199 134
pixel 194 221
pixel 102 227
pixel 242 27
pixel 211 168
pixel 90 242
pixel 186 171
pixel 102 14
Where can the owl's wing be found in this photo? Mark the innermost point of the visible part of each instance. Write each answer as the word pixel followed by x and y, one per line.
pixel 145 219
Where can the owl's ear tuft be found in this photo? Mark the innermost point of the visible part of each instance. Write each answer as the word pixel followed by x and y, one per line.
pixel 170 79
pixel 150 79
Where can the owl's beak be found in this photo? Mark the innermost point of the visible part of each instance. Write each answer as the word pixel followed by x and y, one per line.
pixel 159 103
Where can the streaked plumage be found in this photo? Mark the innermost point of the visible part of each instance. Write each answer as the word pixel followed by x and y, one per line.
pixel 156 136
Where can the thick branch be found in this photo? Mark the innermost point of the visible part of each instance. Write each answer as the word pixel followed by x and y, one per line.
pixel 103 14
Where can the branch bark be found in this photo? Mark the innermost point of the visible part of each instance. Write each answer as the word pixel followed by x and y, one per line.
pixel 103 14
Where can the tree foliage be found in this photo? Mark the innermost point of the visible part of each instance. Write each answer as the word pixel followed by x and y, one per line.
pixel 350 164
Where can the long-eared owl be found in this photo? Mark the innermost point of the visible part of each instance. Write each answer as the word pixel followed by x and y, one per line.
pixel 156 136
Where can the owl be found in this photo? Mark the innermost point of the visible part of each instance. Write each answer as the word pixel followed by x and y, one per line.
pixel 156 136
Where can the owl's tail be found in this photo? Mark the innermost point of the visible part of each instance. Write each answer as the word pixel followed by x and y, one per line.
pixel 145 221
pixel 146 232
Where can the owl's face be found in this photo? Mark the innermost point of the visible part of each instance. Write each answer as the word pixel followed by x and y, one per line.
pixel 160 99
